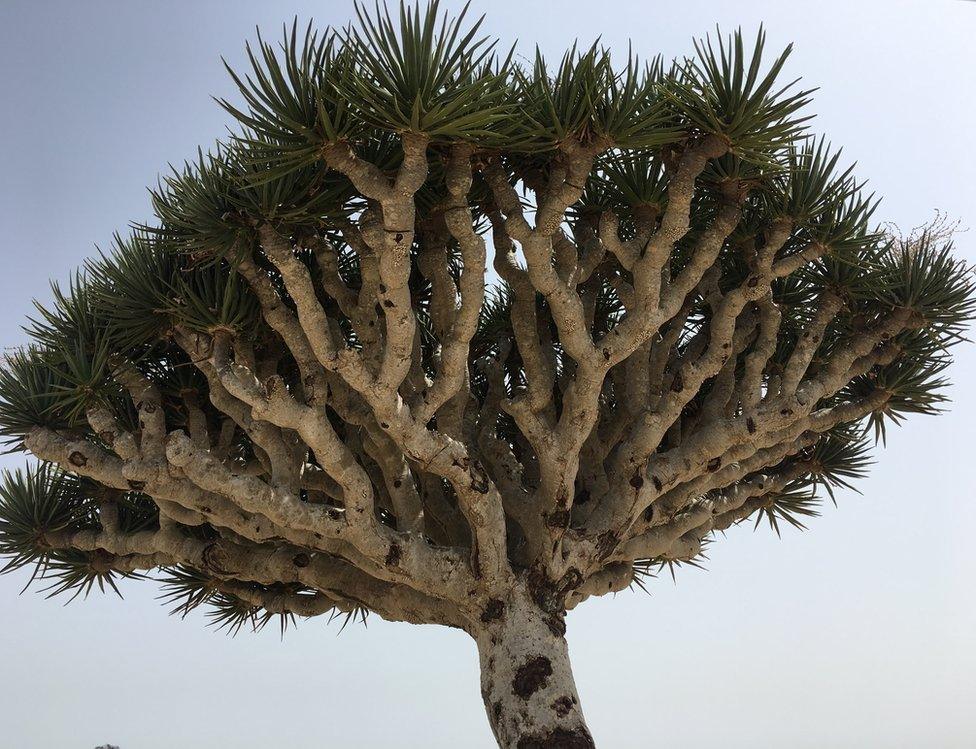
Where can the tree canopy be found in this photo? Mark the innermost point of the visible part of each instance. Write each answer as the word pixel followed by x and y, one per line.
pixel 441 321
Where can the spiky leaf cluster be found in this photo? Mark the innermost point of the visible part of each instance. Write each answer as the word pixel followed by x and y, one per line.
pixel 42 501
pixel 360 93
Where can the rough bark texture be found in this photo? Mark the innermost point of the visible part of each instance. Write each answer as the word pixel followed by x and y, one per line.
pixel 526 679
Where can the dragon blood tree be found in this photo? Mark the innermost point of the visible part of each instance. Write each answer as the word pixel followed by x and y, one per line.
pixel 464 340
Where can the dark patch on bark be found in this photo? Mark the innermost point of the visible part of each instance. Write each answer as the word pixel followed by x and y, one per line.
pixel 556 624
pixel 393 555
pixel 677 384
pixel 787 412
pixel 136 486
pixel 382 288
pixel 544 591
pixel 270 385
pixel 571 580
pixel 550 595
pixel 479 479
pixel 751 425
pixel 714 464
pixel 582 497
pixel 637 481
pixel 397 484
pixel 301 560
pixel 561 738
pixel 753 282
pixel 606 542
pixel 649 514
pixel 563 706
pixel 494 611
pixel 531 676
pixel 388 303
pixel 657 483
pixel 496 710
pixel 77 459
pixel 107 437
pixel 212 560
pixel 558 519
pixel 149 408
pixel 309 384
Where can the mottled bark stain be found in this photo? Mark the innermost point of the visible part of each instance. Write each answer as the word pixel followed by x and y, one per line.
pixel 558 519
pixel 561 738
pixel 393 555
pixel 532 676
pixel 563 706
pixel 556 624
pixel 479 479
pixel 493 611
pixel 475 561
pixel 606 542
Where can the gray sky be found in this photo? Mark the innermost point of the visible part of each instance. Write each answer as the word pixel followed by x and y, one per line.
pixel 858 633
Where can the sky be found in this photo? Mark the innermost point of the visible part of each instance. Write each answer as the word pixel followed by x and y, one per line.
pixel 860 632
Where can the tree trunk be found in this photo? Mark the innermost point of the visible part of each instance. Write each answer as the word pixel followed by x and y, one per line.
pixel 526 680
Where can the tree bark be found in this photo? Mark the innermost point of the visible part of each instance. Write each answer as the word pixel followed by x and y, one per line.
pixel 526 679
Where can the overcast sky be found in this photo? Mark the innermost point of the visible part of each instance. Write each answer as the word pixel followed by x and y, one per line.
pixel 860 632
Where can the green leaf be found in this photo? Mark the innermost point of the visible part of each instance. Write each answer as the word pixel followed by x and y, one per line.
pixel 722 92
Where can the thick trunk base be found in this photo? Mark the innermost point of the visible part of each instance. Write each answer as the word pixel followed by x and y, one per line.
pixel 526 680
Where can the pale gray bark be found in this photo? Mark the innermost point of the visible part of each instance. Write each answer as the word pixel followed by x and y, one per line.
pixel 526 679
pixel 497 536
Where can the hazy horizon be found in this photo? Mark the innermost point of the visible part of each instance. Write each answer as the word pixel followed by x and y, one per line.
pixel 856 633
